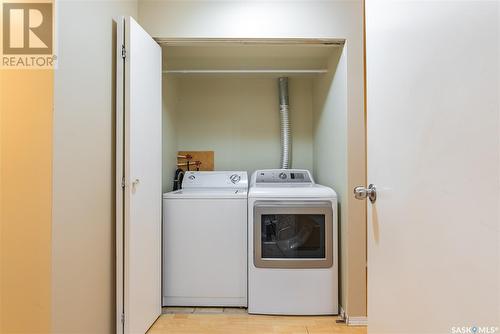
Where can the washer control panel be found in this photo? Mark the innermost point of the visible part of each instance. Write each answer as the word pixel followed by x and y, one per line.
pixel 215 179
pixel 283 176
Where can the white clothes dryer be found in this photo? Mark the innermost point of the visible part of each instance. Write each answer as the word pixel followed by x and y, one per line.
pixel 292 244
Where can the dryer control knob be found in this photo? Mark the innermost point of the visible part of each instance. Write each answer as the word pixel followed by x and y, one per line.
pixel 282 176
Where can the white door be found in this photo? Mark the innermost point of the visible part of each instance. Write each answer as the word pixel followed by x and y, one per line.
pixel 139 163
pixel 433 154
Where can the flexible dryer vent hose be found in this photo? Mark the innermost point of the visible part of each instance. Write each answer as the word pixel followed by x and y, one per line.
pixel 286 140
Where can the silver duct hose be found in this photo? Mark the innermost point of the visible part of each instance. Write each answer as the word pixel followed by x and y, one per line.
pixel 286 138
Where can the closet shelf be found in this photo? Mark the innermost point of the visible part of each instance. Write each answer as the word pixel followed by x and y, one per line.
pixel 257 72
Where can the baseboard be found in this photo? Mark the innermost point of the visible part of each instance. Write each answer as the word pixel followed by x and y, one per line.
pixel 357 321
pixel 352 321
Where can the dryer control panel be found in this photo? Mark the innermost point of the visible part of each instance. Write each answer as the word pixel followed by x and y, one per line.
pixel 283 176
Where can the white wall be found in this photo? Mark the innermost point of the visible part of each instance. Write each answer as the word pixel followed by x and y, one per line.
pixel 252 19
pixel 83 253
pixel 281 19
pixel 238 118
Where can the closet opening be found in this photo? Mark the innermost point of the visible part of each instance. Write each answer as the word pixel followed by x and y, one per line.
pixel 221 110
pixel 221 96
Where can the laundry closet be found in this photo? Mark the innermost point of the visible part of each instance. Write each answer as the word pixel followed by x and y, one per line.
pixel 254 105
pixel 221 95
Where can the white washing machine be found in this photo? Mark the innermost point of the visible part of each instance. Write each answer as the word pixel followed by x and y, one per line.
pixel 292 244
pixel 205 241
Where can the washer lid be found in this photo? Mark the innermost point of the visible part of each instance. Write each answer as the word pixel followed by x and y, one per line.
pixel 207 193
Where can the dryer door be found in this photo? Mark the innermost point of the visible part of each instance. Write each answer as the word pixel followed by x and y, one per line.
pixel 293 234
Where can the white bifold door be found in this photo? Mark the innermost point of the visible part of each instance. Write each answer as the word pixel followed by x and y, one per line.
pixel 433 155
pixel 138 178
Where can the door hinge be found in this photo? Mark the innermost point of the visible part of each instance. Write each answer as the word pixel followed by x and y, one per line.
pixel 123 318
pixel 123 182
pixel 124 52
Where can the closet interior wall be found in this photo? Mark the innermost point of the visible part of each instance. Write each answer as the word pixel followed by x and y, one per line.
pixel 238 119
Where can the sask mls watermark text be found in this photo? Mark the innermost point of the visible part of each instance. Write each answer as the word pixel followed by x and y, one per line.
pixel 474 330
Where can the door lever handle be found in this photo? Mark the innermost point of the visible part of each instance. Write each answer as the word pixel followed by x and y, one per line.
pixel 361 193
pixel 135 183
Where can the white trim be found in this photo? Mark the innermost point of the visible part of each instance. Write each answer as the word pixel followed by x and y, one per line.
pixel 352 321
pixel 342 313
pixel 357 321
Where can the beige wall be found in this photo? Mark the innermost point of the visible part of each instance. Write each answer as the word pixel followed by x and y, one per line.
pixel 238 118
pixel 83 283
pixel 25 202
pixel 308 19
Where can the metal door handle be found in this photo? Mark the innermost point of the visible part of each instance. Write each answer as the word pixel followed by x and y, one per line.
pixel 361 192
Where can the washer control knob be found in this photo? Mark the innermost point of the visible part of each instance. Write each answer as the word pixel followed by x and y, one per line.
pixel 235 178
pixel 191 177
pixel 282 176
